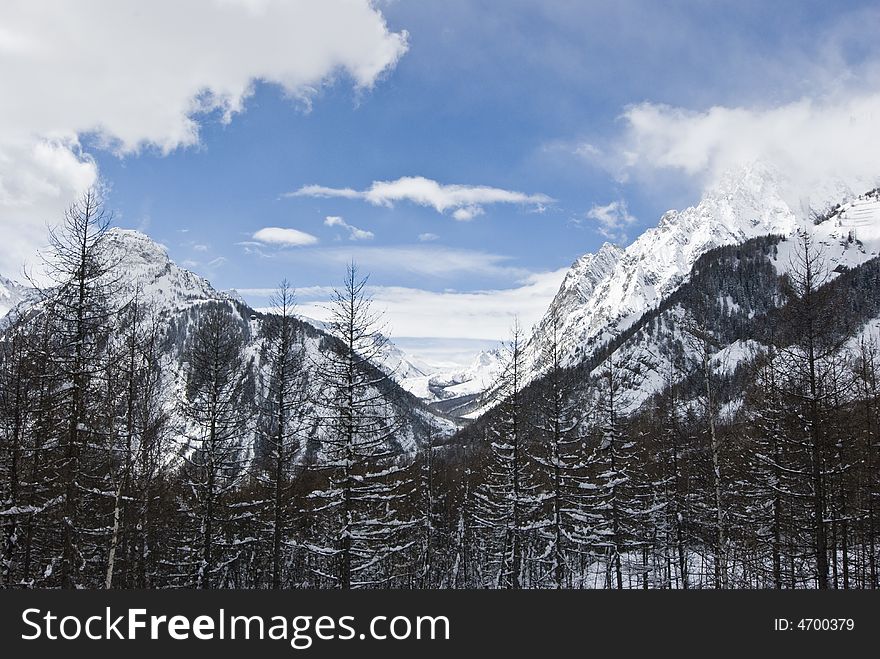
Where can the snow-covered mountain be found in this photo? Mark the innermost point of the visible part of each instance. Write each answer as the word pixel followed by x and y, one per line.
pixel 450 383
pixel 149 271
pixel 627 305
pixel 176 297
pixel 11 294
pixel 605 293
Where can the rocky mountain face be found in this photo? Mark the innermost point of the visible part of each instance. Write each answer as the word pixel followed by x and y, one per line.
pixel 605 293
pixel 149 271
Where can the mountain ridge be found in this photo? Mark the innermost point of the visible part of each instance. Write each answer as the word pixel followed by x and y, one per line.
pixel 594 305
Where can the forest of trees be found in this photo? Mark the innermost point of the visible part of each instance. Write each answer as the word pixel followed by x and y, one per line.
pixel 559 486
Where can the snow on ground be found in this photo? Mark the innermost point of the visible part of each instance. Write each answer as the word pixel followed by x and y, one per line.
pixel 847 238
pixel 726 360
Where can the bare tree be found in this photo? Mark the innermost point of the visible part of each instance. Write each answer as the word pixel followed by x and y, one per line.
pixel 284 415
pixel 81 301
pixel 215 407
pixel 507 496
pixel 362 501
pixel 812 320
pixel 565 524
pixel 703 344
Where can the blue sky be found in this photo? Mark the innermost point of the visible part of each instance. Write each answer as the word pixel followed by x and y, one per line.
pixel 553 100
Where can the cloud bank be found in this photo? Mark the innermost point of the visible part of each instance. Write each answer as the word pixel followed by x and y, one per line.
pixel 413 312
pixel 135 76
pixel 812 141
pixel 465 201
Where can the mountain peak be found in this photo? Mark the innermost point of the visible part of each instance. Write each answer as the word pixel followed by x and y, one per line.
pixel 147 267
pixel 11 294
pixel 136 247
pixel 605 292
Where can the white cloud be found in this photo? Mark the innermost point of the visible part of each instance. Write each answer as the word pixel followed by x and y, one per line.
pixel 353 232
pixel 467 213
pixel 216 263
pixel 139 75
pixel 465 201
pixel 428 237
pixel 587 150
pixel 208 268
pixel 38 180
pixel 811 141
pixel 424 260
pixel 284 237
pixel 413 312
pixel 613 219
pixel 485 314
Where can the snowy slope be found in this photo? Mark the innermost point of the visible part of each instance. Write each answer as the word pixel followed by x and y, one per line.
pixel 852 230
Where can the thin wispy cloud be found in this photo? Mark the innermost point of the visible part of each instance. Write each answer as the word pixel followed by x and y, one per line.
pixel 612 220
pixel 465 202
pixel 299 293
pixel 216 263
pixel 354 233
pixel 414 312
pixel 421 260
pixel 208 267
